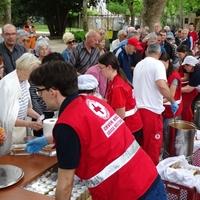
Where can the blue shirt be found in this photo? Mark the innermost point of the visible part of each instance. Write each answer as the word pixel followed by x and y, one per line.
pixel 125 62
pixel 66 55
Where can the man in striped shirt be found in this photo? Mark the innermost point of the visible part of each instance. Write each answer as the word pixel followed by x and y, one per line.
pixel 86 53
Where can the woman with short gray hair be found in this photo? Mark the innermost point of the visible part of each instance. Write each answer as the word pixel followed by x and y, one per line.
pixel 16 103
pixel 42 48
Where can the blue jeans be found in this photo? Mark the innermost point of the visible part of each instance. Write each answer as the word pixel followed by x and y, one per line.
pixel 156 191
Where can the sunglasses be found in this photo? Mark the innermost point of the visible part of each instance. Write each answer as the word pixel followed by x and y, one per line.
pixel 70 42
pixel 26 40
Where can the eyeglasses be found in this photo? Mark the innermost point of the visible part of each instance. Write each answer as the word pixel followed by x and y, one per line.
pixel 39 91
pixel 10 34
pixel 70 42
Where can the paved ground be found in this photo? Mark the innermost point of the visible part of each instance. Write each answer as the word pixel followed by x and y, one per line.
pixel 57 45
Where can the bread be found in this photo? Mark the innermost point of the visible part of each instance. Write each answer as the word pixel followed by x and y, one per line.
pixel 2 135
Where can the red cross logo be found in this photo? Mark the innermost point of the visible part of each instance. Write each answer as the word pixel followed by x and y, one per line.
pixel 98 109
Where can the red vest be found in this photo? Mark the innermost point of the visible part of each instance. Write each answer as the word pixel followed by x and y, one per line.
pixel 120 94
pixel 178 96
pixel 104 137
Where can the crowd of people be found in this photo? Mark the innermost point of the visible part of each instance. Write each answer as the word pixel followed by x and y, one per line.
pixel 114 103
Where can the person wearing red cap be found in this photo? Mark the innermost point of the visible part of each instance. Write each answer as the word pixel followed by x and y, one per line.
pixel 124 53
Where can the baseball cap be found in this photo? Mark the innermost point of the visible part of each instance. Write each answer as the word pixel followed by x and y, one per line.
pixel 87 82
pixel 190 60
pixel 133 41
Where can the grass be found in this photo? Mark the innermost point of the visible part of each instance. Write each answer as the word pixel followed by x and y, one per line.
pixel 44 28
pixel 41 27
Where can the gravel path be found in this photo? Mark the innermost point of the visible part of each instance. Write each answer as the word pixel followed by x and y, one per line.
pixel 57 45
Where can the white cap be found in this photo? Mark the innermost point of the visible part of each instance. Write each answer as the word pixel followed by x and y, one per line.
pixel 190 60
pixel 87 82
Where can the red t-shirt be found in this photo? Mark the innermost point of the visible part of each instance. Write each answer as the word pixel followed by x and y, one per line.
pixel 120 94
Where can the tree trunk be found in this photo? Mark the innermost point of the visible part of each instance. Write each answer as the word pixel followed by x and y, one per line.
pixel 152 12
pixel 57 23
pixel 84 14
pixel 132 14
pixel 7 13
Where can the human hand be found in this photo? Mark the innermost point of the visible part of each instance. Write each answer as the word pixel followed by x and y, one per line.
pixel 36 144
pixel 40 118
pixel 174 107
pixel 35 125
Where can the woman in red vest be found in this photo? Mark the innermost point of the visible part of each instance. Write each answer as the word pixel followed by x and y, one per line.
pixel 187 97
pixel 120 94
pixel 174 82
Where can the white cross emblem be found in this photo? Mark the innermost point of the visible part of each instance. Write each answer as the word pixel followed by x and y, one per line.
pixel 98 109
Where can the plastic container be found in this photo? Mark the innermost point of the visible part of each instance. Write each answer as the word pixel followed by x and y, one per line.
pixel 180 192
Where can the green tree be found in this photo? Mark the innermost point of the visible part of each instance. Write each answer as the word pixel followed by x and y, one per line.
pixel 130 8
pixel 54 12
pixel 5 11
pixel 176 9
pixel 135 7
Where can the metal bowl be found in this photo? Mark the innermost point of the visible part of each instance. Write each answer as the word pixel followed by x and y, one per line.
pixel 10 175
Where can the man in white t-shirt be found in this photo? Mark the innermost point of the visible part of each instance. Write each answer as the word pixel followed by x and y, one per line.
pixel 150 86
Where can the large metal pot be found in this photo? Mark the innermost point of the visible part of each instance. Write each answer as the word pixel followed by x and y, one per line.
pixel 181 138
pixel 197 114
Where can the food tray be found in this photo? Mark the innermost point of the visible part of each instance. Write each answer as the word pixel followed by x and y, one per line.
pixel 46 185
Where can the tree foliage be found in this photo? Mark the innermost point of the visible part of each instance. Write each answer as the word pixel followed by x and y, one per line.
pixel 3 4
pixel 121 7
pixel 54 12
pixel 4 11
pixel 174 9
pixel 117 7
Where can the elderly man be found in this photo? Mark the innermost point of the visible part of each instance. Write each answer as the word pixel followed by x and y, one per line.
pixel 121 35
pixel 9 49
pixel 124 53
pixel 86 53
pixel 23 38
pixel 150 86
